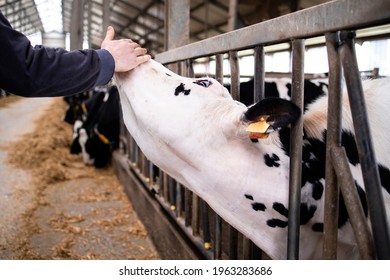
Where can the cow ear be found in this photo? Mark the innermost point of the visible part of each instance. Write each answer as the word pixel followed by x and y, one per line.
pixel 272 114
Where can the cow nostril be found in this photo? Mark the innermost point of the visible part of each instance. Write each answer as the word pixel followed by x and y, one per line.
pixel 203 83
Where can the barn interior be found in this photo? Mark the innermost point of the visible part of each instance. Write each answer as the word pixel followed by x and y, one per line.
pixel 162 26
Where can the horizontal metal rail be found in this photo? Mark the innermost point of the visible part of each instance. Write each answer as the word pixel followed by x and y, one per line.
pixel 315 21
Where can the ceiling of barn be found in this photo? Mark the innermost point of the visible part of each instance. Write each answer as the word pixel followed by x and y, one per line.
pixel 141 20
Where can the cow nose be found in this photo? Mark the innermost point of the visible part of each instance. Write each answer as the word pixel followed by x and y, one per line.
pixel 203 83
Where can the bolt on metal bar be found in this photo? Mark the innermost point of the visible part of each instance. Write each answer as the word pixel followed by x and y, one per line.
pixel 352 202
pixel 364 144
pixel 333 139
pixel 297 83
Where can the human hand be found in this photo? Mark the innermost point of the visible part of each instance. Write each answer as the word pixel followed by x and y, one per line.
pixel 126 53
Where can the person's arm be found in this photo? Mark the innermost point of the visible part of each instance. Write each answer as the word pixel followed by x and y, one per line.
pixel 39 71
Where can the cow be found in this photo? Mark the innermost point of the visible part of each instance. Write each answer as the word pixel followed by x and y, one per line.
pixel 281 87
pixel 96 132
pixel 193 130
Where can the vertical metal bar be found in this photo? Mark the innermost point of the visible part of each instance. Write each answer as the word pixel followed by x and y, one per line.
pixel 246 248
pixel 233 241
pixel 333 139
pixel 217 219
pixel 187 207
pixel 352 202
pixel 234 75
pixel 233 15
pixel 106 16
pixel 177 31
pixel 297 84
pixel 219 68
pixel 217 237
pixel 204 211
pixel 259 91
pixel 195 215
pixel 76 29
pixel 366 152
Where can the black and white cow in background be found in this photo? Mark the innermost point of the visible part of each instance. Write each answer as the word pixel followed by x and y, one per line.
pixel 96 131
pixel 281 87
pixel 193 130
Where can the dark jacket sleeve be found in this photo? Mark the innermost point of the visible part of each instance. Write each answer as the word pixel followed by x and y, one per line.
pixel 39 71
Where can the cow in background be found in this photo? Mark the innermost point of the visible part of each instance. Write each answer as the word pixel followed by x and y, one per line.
pixel 281 87
pixel 96 131
pixel 194 131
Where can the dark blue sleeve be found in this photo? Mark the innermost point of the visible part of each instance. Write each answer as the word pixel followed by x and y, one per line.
pixel 39 71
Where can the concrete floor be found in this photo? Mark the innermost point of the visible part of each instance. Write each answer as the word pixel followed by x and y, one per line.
pixel 86 215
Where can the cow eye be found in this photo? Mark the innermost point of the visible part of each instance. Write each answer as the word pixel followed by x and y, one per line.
pixel 203 83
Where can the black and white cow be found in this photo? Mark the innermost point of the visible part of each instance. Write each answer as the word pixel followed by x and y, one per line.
pixel 195 131
pixel 96 132
pixel 281 87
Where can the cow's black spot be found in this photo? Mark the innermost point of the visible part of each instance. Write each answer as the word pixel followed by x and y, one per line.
pixel 318 190
pixel 258 206
pixel 318 227
pixel 255 140
pixel 277 223
pixel 181 89
pixel 307 212
pixel 384 174
pixel 271 160
pixel 348 141
pixel 168 74
pixel 279 207
pixel 248 196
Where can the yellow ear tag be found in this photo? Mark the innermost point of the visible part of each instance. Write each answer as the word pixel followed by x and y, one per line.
pixel 258 130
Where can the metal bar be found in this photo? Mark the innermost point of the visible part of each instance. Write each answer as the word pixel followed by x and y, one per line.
pixel 177 22
pixel 204 212
pixel 219 68
pixel 235 75
pixel 195 215
pixel 217 237
pixel 352 202
pixel 297 82
pixel 344 14
pixel 259 91
pixel 233 241
pixel 364 144
pixel 333 139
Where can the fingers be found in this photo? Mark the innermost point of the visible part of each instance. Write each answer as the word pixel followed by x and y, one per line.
pixel 110 34
pixel 143 58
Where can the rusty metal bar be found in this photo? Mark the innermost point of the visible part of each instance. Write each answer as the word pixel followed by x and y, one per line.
pixel 259 74
pixel 297 83
pixel 333 139
pixel 364 144
pixel 344 14
pixel 352 202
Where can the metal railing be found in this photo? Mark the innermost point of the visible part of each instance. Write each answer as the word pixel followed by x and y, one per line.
pixel 213 237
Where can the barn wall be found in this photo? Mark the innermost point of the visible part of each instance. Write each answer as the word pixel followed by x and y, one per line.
pixel 186 216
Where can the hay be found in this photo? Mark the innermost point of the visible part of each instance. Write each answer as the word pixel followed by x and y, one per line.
pixel 87 209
